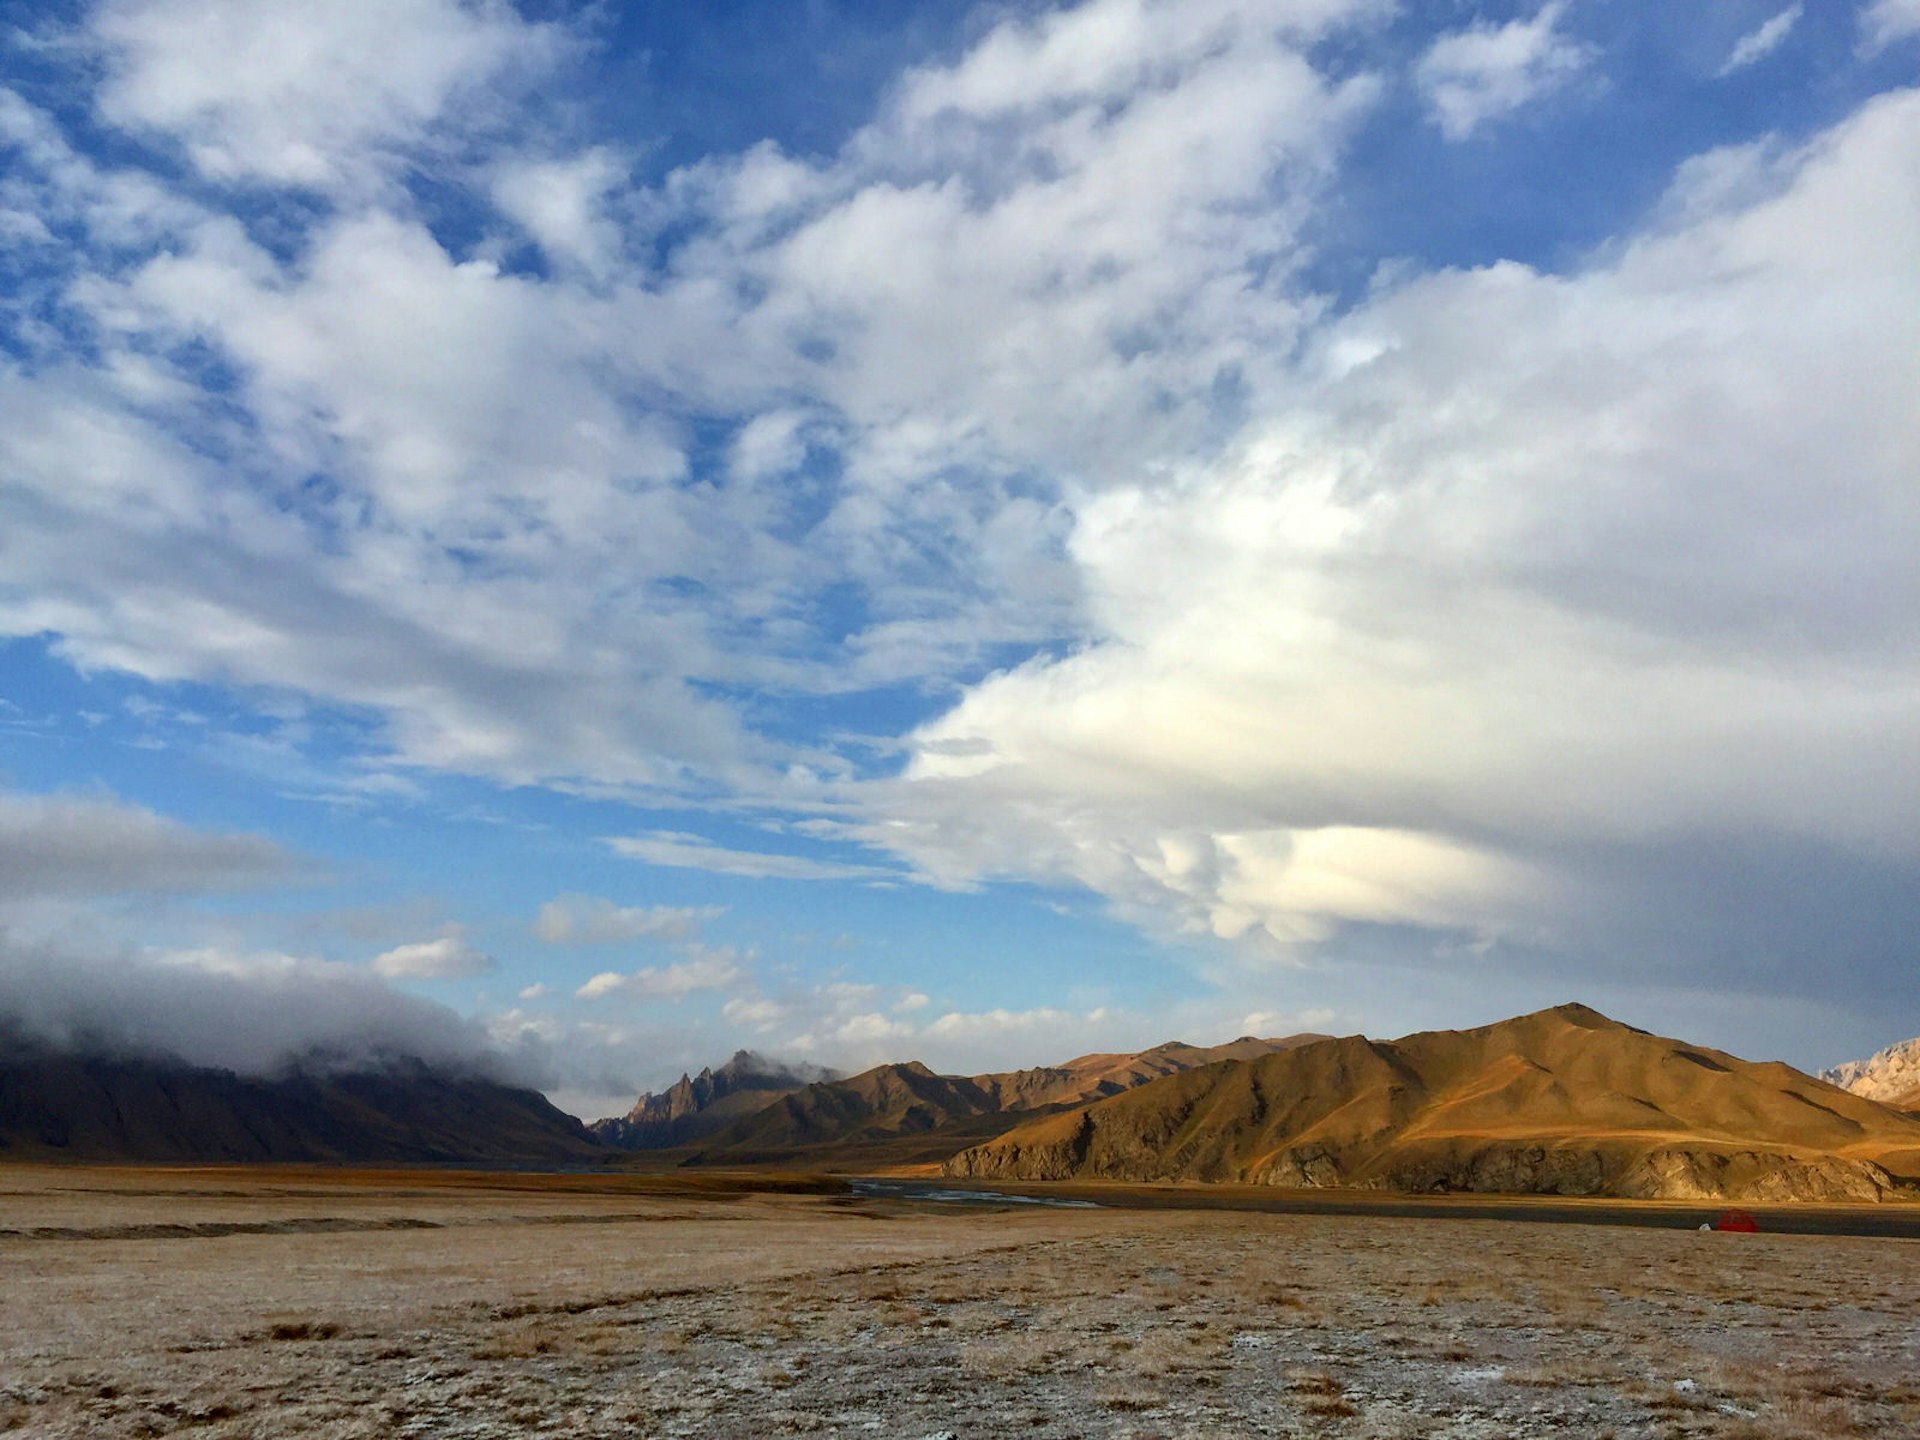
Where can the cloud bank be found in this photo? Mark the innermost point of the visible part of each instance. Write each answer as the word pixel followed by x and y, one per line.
pixel 254 1014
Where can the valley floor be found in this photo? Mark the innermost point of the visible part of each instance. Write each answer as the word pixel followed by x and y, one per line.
pixel 263 1303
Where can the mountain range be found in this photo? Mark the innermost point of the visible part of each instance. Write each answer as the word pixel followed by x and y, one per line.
pixel 59 1105
pixel 1563 1101
pixel 905 1113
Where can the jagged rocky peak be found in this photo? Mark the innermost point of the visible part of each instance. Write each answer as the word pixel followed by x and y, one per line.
pixel 696 1105
pixel 1891 1076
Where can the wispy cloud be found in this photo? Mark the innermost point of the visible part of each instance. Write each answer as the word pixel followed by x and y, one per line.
pixel 589 920
pixel 676 849
pixel 1762 41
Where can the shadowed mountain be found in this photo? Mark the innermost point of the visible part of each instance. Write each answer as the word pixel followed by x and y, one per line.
pixel 698 1105
pixel 905 1113
pixel 1892 1076
pixel 61 1106
pixel 1563 1101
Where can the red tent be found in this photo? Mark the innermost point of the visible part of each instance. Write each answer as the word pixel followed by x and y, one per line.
pixel 1738 1221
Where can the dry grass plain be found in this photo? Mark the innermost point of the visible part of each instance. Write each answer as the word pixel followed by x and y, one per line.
pixel 265 1303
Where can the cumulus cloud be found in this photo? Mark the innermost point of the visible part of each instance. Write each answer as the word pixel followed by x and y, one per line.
pixel 588 920
pixel 1489 71
pixel 448 957
pixel 81 845
pixel 1762 41
pixel 250 1012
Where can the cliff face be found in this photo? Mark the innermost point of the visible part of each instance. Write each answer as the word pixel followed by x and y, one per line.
pixel 1562 1102
pixel 1892 1076
pixel 59 1106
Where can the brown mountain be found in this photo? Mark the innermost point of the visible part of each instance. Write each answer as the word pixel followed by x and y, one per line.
pixel 62 1106
pixel 697 1105
pixel 1564 1101
pixel 905 1113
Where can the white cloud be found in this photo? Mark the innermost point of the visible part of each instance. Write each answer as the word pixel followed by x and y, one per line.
pixel 1762 41
pixel 501 562
pixel 1884 22
pixel 536 991
pixel 310 95
pixel 588 920
pixel 448 957
pixel 1499 590
pixel 1102 51
pixel 80 845
pixel 674 848
pixel 705 969
pixel 1489 71
pixel 563 206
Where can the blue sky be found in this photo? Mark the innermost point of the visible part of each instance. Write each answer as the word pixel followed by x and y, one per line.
pixel 608 534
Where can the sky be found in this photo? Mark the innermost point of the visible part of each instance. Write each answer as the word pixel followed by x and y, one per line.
pixel 584 537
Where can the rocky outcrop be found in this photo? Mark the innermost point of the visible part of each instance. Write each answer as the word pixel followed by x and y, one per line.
pixel 1892 1076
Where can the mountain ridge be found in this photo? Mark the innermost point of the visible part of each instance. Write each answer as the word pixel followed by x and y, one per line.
pixel 909 1107
pixel 63 1105
pixel 1560 1101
